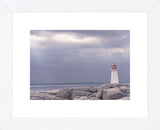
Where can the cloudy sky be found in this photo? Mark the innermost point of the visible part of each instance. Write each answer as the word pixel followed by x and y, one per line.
pixel 61 56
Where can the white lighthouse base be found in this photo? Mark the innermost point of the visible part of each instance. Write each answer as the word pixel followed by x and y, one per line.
pixel 114 77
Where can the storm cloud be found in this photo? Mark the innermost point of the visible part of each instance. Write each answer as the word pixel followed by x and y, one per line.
pixel 61 56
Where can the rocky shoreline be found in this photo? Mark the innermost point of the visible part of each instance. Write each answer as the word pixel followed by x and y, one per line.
pixel 104 92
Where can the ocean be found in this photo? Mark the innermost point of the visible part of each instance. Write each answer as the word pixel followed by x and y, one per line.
pixel 34 88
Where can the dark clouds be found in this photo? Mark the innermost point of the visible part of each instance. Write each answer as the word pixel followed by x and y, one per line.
pixel 59 56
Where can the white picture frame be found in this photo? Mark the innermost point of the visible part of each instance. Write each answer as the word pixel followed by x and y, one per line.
pixel 8 8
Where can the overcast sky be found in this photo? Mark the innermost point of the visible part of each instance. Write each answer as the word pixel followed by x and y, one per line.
pixel 60 56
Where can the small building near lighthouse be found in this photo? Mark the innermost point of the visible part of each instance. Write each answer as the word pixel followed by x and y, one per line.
pixel 114 74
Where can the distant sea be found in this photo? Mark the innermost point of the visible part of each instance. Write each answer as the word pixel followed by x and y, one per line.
pixel 34 88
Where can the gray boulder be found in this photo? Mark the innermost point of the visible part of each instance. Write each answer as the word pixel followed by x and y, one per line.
pixel 100 92
pixel 80 98
pixel 59 98
pixel 93 96
pixel 108 86
pixel 64 93
pixel 79 93
pixel 125 90
pixel 36 98
pixel 46 98
pixel 112 93
pixel 124 98
pixel 92 89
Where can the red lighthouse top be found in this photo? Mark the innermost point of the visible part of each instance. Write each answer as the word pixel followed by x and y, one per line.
pixel 114 66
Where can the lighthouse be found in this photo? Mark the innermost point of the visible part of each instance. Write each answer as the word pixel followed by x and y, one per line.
pixel 114 74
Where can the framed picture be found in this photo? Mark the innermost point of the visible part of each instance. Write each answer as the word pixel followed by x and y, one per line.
pixel 87 69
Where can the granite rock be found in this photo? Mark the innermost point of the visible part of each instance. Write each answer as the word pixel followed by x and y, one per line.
pixel 64 93
pixel 112 93
pixel 80 93
pixel 103 92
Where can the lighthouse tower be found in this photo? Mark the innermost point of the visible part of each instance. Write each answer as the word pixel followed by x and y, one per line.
pixel 114 74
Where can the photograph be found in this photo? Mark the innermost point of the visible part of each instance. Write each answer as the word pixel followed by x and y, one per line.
pixel 80 65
